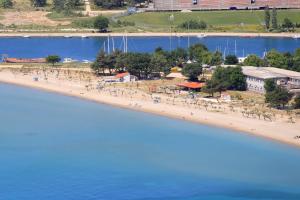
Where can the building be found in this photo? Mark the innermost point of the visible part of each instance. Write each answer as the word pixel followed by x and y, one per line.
pixel 256 77
pixel 125 78
pixel 161 5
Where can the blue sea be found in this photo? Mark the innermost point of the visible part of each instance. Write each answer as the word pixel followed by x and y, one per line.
pixel 55 147
pixel 87 48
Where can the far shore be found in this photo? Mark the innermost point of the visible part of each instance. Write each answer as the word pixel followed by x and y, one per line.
pixel 144 34
pixel 279 130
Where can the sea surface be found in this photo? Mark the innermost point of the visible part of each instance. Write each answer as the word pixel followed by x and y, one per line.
pixel 87 48
pixel 55 147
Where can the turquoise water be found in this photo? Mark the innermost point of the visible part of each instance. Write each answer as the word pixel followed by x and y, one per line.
pixel 87 48
pixel 55 147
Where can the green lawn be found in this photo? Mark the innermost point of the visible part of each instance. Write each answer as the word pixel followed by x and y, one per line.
pixel 223 20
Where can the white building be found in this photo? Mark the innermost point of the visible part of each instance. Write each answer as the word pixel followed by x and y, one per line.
pixel 256 77
pixel 125 77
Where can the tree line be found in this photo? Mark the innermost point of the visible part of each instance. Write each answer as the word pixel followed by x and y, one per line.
pixel 271 22
pixel 273 58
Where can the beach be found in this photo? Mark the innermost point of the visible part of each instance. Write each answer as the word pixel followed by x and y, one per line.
pixel 130 98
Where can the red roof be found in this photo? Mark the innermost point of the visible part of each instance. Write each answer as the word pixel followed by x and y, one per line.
pixel 121 75
pixel 191 85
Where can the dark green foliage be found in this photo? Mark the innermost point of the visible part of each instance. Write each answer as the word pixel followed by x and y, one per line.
pixel 270 85
pixel 138 64
pixel 6 3
pixel 39 3
pixel 278 98
pixel 296 104
pixel 274 19
pixel 216 59
pixel 253 60
pixel 231 60
pixel 230 78
pixel 197 52
pixel 267 18
pixel 193 24
pixel 53 59
pixel 192 71
pixel 288 25
pixel 108 4
pixel 101 23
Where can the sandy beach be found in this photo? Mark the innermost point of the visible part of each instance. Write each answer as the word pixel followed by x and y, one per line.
pixel 280 129
pixel 79 33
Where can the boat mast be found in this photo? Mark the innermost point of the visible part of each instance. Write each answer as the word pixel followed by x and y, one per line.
pixel 108 45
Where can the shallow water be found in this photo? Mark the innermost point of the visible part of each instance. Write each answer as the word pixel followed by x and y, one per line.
pixel 62 148
pixel 87 48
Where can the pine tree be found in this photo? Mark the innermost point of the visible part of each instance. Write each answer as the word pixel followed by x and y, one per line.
pixel 274 19
pixel 267 17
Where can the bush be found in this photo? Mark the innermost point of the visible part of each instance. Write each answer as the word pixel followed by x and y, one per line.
pixel 231 60
pixel 193 24
pixel 101 23
pixel 297 102
pixel 6 3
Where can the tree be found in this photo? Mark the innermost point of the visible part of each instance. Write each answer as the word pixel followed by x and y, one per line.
pixel 6 3
pixel 274 19
pixel 53 59
pixel 253 60
pixel 237 80
pixel 288 24
pixel 39 3
pixel 101 23
pixel 99 65
pixel 138 64
pixel 270 85
pixel 276 59
pixel 159 63
pixel 278 98
pixel 231 60
pixel 192 71
pixel 193 24
pixel 297 102
pixel 267 18
pixel 216 59
pixel 197 52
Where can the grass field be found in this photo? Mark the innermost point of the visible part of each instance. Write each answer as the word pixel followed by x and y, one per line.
pixel 217 20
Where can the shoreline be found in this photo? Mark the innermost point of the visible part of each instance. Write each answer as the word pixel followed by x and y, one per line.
pixel 146 34
pixel 267 130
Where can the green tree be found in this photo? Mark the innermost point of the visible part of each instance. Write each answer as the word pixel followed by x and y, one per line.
pixel 231 60
pixel 276 59
pixel 217 59
pixel 267 18
pixel 278 98
pixel 270 85
pixel 237 80
pixel 138 64
pixel 99 65
pixel 160 64
pixel 192 71
pixel 101 23
pixel 253 60
pixel 53 59
pixel 197 52
pixel 274 19
pixel 296 104
pixel 288 25
pixel 6 3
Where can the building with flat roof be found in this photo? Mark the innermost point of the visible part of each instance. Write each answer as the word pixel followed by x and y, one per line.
pixel 161 5
pixel 256 77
